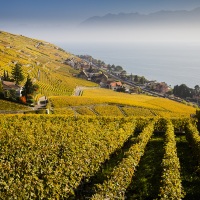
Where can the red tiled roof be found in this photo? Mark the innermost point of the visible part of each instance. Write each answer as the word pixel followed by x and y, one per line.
pixel 115 84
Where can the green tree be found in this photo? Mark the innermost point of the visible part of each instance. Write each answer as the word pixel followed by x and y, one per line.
pixel 118 68
pixel 17 73
pixel 100 63
pixel 131 77
pixel 6 76
pixel 142 80
pixel 113 67
pixel 197 90
pixel 123 72
pixel 1 89
pixel 12 95
pixel 136 79
pixel 109 67
pixel 28 87
pixel 183 91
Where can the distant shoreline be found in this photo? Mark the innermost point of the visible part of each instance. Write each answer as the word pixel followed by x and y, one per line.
pixel 165 63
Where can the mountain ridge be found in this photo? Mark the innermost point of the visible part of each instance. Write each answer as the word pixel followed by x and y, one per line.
pixel 166 16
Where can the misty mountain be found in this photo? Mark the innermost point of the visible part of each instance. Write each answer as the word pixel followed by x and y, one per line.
pixel 163 17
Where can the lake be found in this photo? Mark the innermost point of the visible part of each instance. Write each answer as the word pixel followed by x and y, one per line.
pixel 171 63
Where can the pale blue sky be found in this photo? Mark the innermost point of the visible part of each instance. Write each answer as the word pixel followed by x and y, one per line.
pixel 53 19
pixel 81 9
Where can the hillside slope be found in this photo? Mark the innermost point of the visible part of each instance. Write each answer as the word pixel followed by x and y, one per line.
pixel 105 102
pixel 42 61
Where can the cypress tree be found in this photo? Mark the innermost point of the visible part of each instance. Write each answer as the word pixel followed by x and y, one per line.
pixel 17 74
pixel 28 87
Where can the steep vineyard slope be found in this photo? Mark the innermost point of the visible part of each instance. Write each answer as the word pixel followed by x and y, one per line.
pixel 42 61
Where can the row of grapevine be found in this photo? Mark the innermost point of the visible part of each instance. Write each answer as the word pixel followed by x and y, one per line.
pixel 193 138
pixel 122 175
pixel 83 110
pixel 64 111
pixel 108 110
pixel 171 187
pixel 49 156
pixel 137 111
pixel 65 101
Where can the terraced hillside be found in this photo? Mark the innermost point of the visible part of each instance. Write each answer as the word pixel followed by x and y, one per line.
pixel 104 102
pixel 42 61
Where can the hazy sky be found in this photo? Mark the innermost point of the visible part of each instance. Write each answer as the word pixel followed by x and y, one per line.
pixel 52 20
pixel 65 10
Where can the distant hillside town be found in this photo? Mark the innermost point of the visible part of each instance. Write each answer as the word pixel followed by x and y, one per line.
pixel 116 78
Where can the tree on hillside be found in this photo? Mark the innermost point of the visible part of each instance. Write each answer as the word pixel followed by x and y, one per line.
pixel 123 72
pixel 131 77
pixel 118 68
pixel 6 76
pixel 17 73
pixel 100 63
pixel 29 88
pixel 1 89
pixel 113 67
pixel 142 80
pixel 197 90
pixel 109 67
pixel 136 79
pixel 183 91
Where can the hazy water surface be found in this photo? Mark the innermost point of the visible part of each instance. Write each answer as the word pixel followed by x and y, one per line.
pixel 171 63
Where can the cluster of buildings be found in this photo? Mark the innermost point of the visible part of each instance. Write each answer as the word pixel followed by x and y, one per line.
pixel 159 87
pixel 98 76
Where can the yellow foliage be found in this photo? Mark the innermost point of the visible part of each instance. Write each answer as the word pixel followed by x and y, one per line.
pixel 131 105
pixel 42 61
pixel 10 106
pixel 108 110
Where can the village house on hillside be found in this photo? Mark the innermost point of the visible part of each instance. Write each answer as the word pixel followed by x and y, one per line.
pixel 73 63
pixel 162 88
pixel 84 75
pixel 97 77
pixel 121 87
pixel 11 86
pixel 115 85
pixel 101 79
pixel 159 87
pixel 93 74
